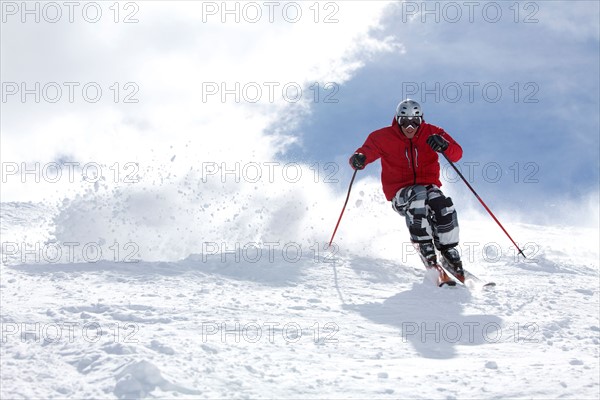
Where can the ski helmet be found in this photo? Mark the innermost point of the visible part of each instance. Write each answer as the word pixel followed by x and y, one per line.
pixel 409 108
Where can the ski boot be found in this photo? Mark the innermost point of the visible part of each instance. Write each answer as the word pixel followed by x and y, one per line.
pixel 428 256
pixel 453 263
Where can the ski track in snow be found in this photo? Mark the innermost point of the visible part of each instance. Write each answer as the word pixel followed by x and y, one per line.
pixel 351 327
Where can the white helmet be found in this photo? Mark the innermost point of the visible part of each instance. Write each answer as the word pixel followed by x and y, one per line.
pixel 408 108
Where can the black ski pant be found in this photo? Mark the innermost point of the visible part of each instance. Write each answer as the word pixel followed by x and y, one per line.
pixel 429 215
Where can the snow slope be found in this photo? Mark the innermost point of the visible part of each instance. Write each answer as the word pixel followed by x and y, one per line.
pixel 268 323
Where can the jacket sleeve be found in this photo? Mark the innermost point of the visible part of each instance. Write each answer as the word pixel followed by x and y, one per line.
pixel 370 150
pixel 454 152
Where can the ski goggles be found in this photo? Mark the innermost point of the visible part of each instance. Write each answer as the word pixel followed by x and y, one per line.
pixel 407 121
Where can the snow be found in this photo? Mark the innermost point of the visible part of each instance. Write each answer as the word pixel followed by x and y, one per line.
pixel 279 325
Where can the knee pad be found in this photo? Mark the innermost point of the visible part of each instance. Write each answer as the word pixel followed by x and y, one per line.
pixel 442 207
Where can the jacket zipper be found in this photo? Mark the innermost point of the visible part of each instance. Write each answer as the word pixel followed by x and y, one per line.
pixel 416 157
pixel 413 163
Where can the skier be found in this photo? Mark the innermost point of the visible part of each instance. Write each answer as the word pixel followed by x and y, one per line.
pixel 410 178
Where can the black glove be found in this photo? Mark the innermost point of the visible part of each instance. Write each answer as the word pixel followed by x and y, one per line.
pixel 437 143
pixel 357 161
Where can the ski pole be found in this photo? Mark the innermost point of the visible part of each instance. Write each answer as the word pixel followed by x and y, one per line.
pixel 344 208
pixel 482 203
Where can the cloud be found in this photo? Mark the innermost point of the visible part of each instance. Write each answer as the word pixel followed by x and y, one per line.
pixel 167 63
pixel 541 131
pixel 175 168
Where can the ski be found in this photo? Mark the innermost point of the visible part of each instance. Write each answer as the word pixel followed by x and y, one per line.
pixel 466 276
pixel 447 276
pixel 443 279
pixel 470 277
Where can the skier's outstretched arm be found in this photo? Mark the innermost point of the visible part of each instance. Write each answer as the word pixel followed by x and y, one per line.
pixel 365 154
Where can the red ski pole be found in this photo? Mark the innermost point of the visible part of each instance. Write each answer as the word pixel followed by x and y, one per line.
pixel 344 208
pixel 482 203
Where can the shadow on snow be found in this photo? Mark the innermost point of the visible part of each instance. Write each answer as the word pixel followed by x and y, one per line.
pixel 432 319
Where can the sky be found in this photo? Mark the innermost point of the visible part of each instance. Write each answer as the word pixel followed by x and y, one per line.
pixel 187 86
pixel 542 129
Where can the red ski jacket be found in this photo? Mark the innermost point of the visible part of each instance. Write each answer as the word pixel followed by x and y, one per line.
pixel 404 161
